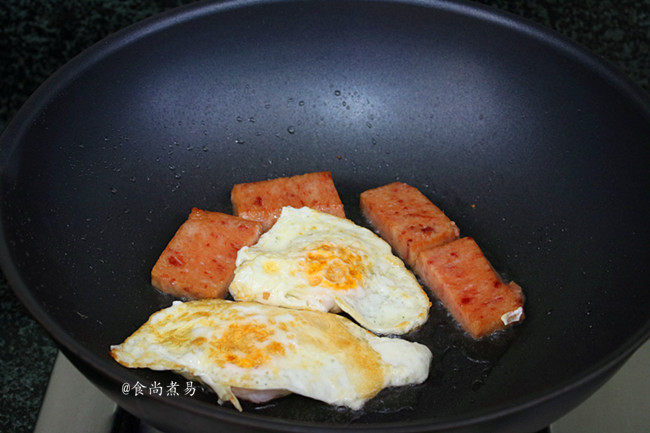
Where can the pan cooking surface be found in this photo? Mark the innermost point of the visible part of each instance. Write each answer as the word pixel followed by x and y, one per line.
pixel 530 146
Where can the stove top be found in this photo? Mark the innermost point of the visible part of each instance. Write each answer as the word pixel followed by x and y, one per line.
pixel 73 405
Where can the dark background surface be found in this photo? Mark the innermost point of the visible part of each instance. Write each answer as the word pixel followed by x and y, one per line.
pixel 37 37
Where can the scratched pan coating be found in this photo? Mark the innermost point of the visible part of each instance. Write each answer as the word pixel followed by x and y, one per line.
pixel 534 147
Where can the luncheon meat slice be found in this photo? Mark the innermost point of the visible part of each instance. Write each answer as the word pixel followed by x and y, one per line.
pixel 263 201
pixel 462 278
pixel 199 261
pixel 405 218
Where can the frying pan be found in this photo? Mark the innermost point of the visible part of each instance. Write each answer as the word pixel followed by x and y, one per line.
pixel 534 147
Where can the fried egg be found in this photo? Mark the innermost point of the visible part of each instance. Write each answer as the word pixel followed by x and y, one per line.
pixel 315 261
pixel 259 352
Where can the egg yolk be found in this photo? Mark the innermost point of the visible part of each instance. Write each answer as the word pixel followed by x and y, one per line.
pixel 334 267
pixel 243 345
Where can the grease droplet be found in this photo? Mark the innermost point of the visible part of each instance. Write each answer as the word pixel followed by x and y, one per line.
pixel 337 92
pixel 239 119
pixel 291 130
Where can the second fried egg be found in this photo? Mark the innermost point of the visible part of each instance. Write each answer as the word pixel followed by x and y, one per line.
pixel 315 261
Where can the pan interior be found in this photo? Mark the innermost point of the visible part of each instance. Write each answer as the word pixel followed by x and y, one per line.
pixel 535 154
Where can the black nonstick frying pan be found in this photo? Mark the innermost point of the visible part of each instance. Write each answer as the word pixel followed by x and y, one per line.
pixel 534 147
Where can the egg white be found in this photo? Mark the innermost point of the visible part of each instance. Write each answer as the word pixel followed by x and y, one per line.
pixel 257 352
pixel 316 261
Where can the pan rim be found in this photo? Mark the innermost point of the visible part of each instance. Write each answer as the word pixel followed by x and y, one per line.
pixel 62 77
